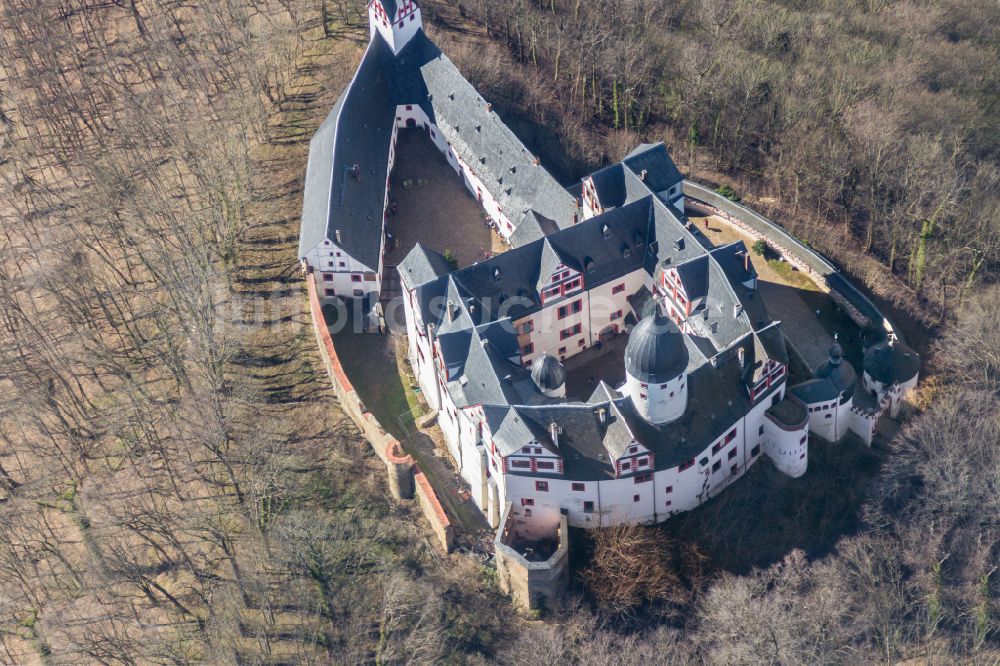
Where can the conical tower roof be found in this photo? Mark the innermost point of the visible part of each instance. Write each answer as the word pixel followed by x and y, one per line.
pixel 656 351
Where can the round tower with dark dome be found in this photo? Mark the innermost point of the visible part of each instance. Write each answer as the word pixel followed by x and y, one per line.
pixel 656 360
pixel 549 376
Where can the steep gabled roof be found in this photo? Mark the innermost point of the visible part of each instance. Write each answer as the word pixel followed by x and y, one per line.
pixel 478 135
pixel 421 265
pixel 348 161
pixel 661 172
pixel 533 226
pixel 606 246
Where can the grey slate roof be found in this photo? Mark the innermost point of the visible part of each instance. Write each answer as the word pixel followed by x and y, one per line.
pixel 891 364
pixel 656 351
pixel 838 370
pixel 477 342
pixel 661 172
pixel 357 132
pixel 814 391
pixel 532 227
pixel 422 265
pixel 548 373
pixel 490 148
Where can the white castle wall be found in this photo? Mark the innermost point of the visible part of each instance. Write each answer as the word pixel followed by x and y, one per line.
pixel 669 491
pixel 787 448
pixel 895 392
pixel 658 403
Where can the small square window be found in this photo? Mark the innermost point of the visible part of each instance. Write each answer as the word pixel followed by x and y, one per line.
pixel 670 489
pixel 642 461
pixel 626 464
pixel 579 487
pixel 562 350
pixel 732 453
pixel 717 465
pixel 331 292
pixel 635 498
pixel 527 501
pixel 669 502
pixel 528 349
pixel 755 451
pixel 618 288
pixel 527 513
pixel 327 277
pixel 802 456
pixel 734 470
pixel 588 507
pixel 542 486
pixel 355 278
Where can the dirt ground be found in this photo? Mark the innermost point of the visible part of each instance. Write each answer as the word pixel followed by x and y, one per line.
pixel 430 204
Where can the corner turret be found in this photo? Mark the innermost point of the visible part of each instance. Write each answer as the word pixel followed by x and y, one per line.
pixel 396 20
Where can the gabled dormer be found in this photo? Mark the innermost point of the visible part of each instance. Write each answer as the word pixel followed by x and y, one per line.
pixel 397 21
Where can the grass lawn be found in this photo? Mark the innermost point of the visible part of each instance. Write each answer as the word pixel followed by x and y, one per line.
pixel 377 368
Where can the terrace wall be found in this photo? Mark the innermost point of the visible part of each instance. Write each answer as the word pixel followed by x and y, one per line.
pixel 816 266
pixel 405 477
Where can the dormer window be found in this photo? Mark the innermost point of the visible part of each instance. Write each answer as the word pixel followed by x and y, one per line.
pixel 626 252
pixel 497 275
pixel 606 232
pixel 679 244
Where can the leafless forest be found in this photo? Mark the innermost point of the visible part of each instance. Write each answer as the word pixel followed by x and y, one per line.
pixel 177 484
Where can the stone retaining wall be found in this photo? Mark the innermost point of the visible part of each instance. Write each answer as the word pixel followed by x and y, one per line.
pixel 433 510
pixel 805 259
pixel 405 477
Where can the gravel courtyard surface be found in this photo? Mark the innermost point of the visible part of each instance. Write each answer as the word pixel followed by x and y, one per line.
pixel 430 204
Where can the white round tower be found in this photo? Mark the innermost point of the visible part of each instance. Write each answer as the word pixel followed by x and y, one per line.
pixel 656 360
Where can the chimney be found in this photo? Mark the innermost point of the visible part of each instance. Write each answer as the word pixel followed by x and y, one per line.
pixel 642 174
pixel 554 433
pixel 602 415
pixel 337 235
pixel 451 310
pixel 536 161
pixel 357 172
pixel 743 358
pixel 489 107
pixel 746 261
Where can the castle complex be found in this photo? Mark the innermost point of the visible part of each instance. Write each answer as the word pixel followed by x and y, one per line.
pixel 696 391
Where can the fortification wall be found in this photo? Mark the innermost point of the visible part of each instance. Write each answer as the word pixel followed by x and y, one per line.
pixel 405 478
pixel 530 584
pixel 816 266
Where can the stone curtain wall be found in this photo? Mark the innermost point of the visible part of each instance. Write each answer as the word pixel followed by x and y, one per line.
pixel 405 477
pixel 823 273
